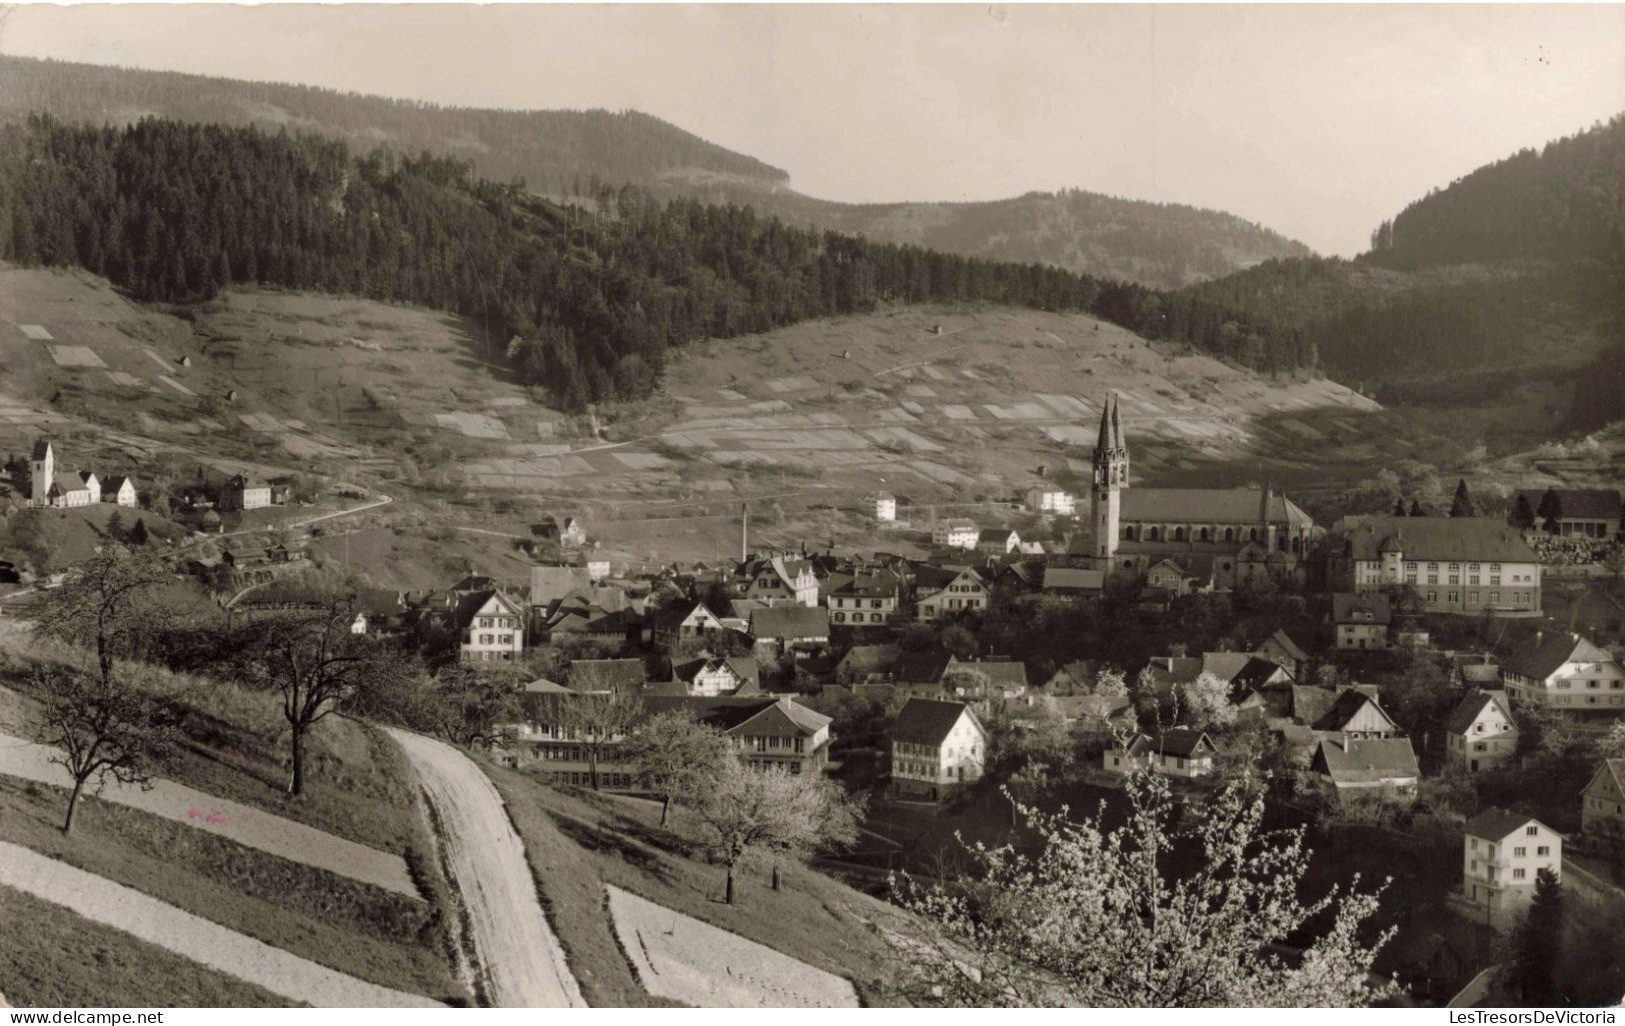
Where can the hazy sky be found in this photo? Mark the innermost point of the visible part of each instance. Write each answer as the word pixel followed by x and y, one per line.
pixel 1315 121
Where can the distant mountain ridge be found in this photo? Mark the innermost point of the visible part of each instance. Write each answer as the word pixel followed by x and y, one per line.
pixel 1511 275
pixel 582 154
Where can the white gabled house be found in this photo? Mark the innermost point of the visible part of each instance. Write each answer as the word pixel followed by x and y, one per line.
pixel 1177 753
pixel 1566 673
pixel 492 627
pixel 119 490
pixel 1602 803
pixel 954 534
pixel 941 592
pixel 937 748
pixel 1481 734
pixel 1501 854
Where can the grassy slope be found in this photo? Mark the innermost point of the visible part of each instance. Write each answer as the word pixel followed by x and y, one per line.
pixel 359 785
pixel 61 960
pixel 577 843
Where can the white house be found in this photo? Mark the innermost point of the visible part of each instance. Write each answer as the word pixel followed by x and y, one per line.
pixel 1567 673
pixel 93 485
pixel 1351 767
pixel 939 592
pixel 1361 619
pixel 997 541
pixel 1501 853
pixel 954 534
pixel 1046 500
pixel 1177 753
pixel 1481 734
pixel 884 506
pixel 492 625
pixel 867 597
pixel 244 492
pixel 936 749
pixel 119 490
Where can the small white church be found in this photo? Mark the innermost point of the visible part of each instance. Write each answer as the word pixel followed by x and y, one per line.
pixel 64 490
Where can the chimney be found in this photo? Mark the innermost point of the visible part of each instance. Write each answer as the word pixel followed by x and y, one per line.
pixel 1343 743
pixel 744 532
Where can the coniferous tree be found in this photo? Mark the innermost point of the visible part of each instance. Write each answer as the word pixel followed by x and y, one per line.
pixel 1399 506
pixel 1536 944
pixel 1462 504
pixel 1550 511
pixel 1416 509
pixel 1523 516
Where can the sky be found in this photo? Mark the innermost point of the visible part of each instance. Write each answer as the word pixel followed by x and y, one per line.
pixel 1318 122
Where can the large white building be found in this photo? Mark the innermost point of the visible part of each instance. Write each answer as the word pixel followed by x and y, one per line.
pixel 1456 564
pixel 884 506
pixel 1501 854
pixel 1567 673
pixel 1050 500
pixel 955 534
pixel 492 626
pixel 936 749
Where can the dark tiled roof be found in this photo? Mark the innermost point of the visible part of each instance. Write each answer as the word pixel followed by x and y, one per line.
pixel 1538 655
pixel 1180 741
pixel 1000 673
pixel 921 667
pixel 926 722
pixel 1370 608
pixel 1343 709
pixel 41 446
pixel 1614 769
pixel 790 622
pixel 1494 824
pixel 1470 707
pixel 606 675
pixel 1366 760
pixel 1459 539
pixel 1208 505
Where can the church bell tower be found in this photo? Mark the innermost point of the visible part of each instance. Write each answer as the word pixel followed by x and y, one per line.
pixel 1111 477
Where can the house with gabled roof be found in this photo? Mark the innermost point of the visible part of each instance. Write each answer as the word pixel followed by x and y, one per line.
pixel 1288 648
pixel 1475 670
pixel 683 621
pixel 1075 677
pixel 1352 768
pixel 492 627
pixel 1602 802
pixel 119 489
pixel 865 597
pixel 1502 853
pixel 776 581
pixel 1481 733
pixel 937 749
pixel 1180 752
pixel 790 627
pixel 718 675
pixel 955 534
pixel 1355 713
pixel 245 491
pixel 941 592
pixel 1566 673
pixel 997 541
pixel 1361 621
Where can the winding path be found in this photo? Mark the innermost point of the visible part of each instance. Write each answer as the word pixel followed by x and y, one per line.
pixel 518 959
pixel 210 944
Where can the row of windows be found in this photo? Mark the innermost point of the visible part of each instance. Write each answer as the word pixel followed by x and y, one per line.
pixel 497 621
pixel 1518 598
pixel 840 603
pixel 496 639
pixel 858 618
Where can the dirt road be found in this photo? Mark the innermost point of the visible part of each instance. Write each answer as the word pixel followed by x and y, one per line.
pixel 519 961
pixel 207 943
pixel 233 820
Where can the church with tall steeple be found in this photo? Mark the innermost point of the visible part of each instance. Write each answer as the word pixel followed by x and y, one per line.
pixel 1187 538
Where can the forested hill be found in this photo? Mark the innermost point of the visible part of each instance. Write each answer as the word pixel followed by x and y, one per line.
pixel 1565 202
pixel 591 298
pixel 581 154
pixel 556 152
pixel 1513 274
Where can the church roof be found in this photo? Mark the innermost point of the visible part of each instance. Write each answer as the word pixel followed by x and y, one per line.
pixel 42 448
pixel 1209 505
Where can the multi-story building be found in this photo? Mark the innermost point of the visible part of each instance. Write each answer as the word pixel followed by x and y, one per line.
pixel 492 626
pixel 940 592
pixel 1455 564
pixel 1567 673
pixel 1501 854
pixel 766 731
pixel 1053 501
pixel 954 534
pixel 245 492
pixel 863 598
pixel 884 507
pixel 937 748
pixel 776 581
pixel 1602 803
pixel 1361 621
pixel 1481 734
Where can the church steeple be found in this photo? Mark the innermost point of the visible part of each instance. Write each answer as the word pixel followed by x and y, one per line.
pixel 1111 477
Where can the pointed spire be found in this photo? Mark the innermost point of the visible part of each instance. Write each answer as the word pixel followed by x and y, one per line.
pixel 1104 442
pixel 1117 423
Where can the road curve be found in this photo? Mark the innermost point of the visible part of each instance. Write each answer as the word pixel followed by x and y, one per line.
pixel 210 944
pixel 519 960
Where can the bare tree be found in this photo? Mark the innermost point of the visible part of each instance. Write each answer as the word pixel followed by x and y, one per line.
pixel 597 721
pixel 754 812
pixel 107 602
pixel 676 757
pixel 103 727
pixel 314 660
pixel 1098 918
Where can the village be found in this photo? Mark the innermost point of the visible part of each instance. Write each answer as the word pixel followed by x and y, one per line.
pixel 1391 672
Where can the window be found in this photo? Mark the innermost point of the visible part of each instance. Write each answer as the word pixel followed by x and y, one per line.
pixel 1519 852
pixel 1531 831
pixel 1517 874
pixel 1544 849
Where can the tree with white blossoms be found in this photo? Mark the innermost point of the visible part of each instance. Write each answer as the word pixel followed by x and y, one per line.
pixel 750 812
pixel 1099 918
pixel 1110 683
pixel 1206 702
pixel 1612 744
